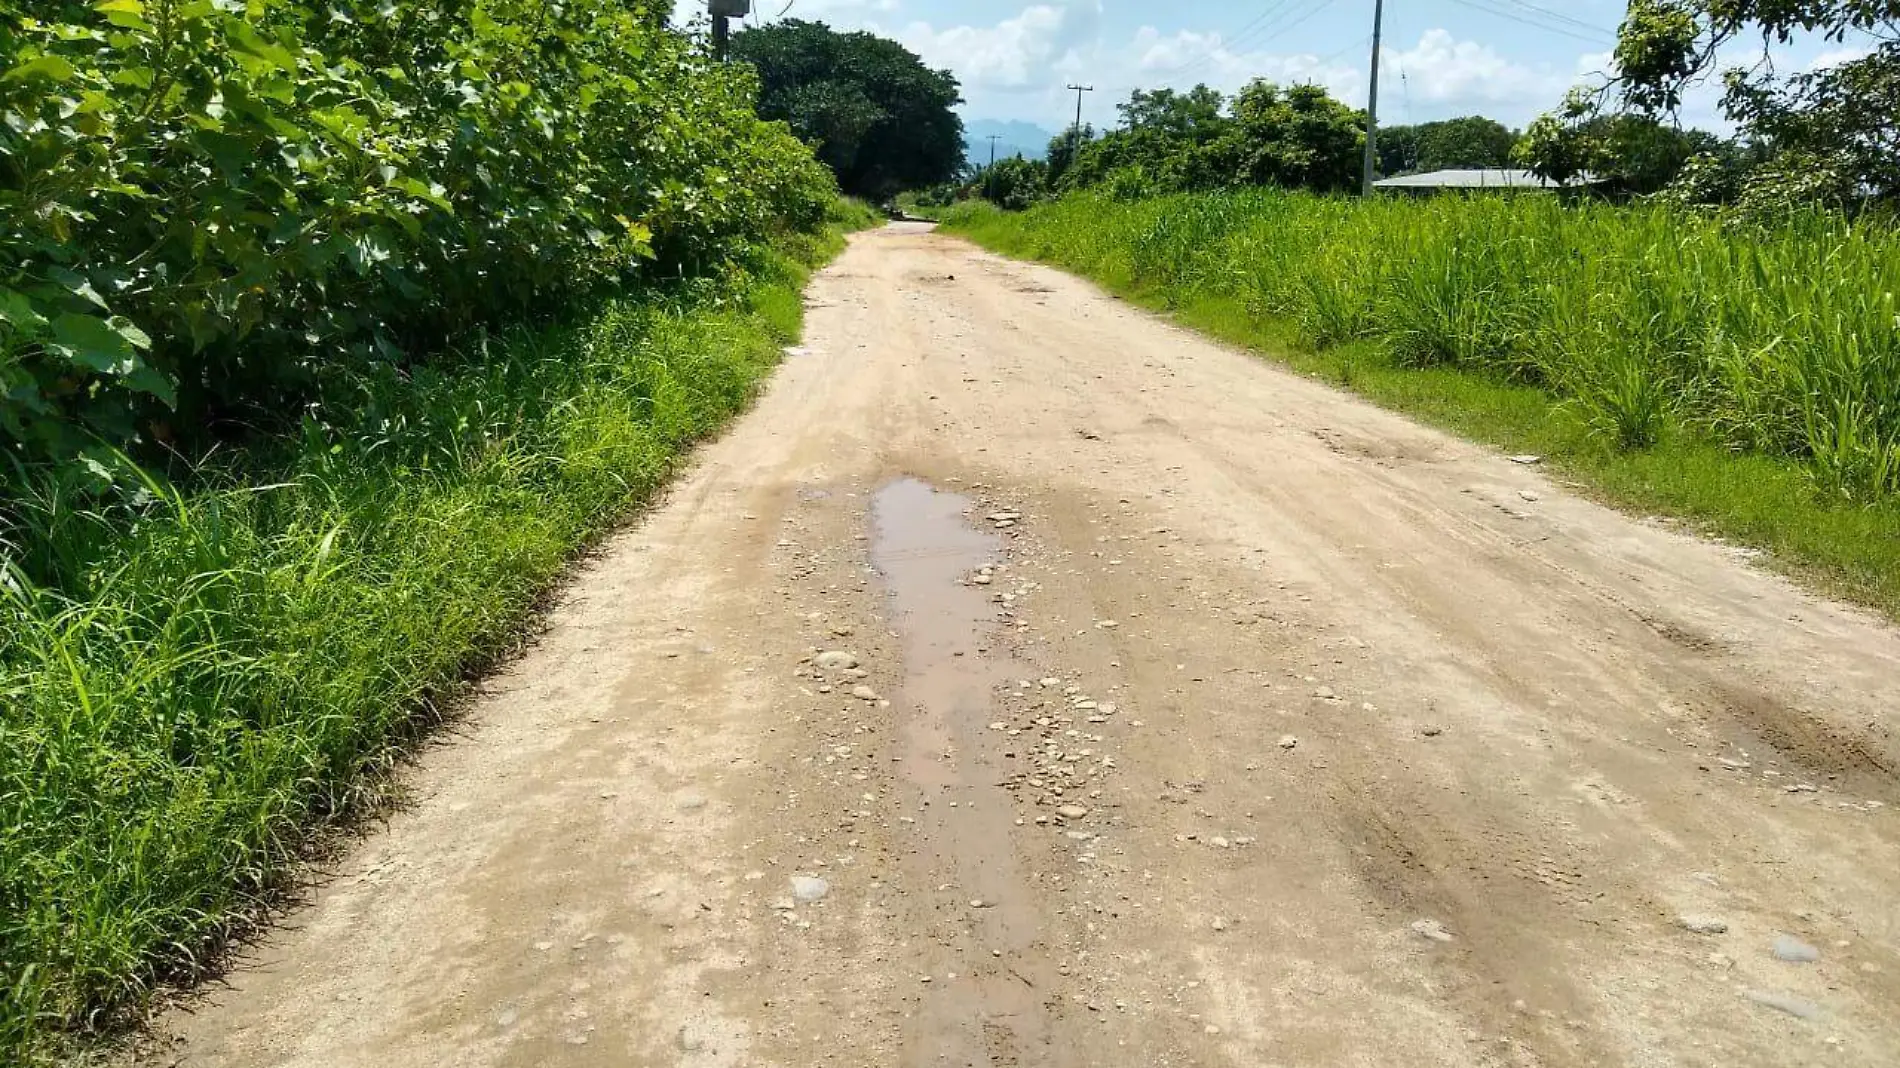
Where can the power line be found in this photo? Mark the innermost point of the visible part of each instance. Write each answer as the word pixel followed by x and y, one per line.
pixel 1353 47
pixel 1286 20
pixel 1559 17
pixel 1288 27
pixel 1277 24
pixel 1272 29
pixel 1594 36
pixel 1224 40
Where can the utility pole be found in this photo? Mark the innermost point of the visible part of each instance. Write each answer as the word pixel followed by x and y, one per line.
pixel 720 11
pixel 989 180
pixel 1372 101
pixel 1075 132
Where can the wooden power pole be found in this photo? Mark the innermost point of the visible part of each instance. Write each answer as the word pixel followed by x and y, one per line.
pixel 1075 132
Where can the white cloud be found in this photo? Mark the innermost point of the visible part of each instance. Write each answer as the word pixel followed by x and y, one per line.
pixel 1013 54
pixel 1595 65
pixel 1437 77
pixel 1834 57
pixel 1186 58
pixel 1443 70
pixel 1015 68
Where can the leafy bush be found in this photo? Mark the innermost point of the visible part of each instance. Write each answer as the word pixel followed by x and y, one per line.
pixel 1015 183
pixel 203 674
pixel 225 212
pixel 940 196
pixel 306 256
pixel 1297 137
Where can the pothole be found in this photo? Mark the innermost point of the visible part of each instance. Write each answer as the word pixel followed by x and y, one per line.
pixel 988 962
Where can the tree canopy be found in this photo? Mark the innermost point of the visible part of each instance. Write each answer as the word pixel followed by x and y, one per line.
pixel 1471 141
pixel 1064 146
pixel 1627 152
pixel 1296 136
pixel 1828 134
pixel 1193 116
pixel 869 107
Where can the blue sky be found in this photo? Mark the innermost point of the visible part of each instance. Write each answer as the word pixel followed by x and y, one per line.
pixel 1509 59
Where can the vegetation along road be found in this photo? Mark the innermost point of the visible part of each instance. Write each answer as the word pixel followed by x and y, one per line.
pixel 1026 681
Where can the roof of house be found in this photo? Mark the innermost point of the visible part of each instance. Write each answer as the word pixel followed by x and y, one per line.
pixel 1495 178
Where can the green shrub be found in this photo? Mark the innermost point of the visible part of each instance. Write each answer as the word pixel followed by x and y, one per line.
pixel 306 259
pixel 217 213
pixel 216 669
pixel 1014 183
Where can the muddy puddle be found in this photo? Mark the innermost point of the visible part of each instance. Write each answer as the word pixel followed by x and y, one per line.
pixel 983 1005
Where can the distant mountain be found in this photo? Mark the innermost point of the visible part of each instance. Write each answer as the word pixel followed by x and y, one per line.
pixel 1013 138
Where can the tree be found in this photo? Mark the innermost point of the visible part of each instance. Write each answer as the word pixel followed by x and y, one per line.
pixel 1830 134
pixel 1191 116
pixel 870 108
pixel 1015 183
pixel 1627 152
pixel 1298 137
pixel 1471 141
pixel 1145 147
pixel 1398 150
pixel 1063 148
pixel 1168 137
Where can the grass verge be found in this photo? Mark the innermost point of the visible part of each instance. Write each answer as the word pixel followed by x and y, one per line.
pixel 194 682
pixel 1771 503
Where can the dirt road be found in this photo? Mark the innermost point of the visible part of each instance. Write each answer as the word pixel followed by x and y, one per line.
pixel 1029 682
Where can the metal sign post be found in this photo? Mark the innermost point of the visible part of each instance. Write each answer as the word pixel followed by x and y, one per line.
pixel 721 10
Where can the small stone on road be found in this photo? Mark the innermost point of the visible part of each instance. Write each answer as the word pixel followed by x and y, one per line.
pixel 1702 925
pixel 1795 951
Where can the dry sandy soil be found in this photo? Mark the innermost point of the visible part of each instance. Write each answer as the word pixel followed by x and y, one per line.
pixel 1180 711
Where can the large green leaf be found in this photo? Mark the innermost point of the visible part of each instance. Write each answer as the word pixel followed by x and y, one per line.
pixel 17 309
pixel 90 341
pixel 52 68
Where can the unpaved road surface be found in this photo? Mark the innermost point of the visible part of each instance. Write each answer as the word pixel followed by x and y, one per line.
pixel 1180 712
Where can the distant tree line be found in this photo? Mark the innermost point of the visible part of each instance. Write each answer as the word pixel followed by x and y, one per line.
pixel 885 122
pixel 1301 137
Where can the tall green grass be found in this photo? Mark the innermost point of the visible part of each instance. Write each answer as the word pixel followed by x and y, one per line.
pixel 195 678
pixel 1664 352
pixel 1781 340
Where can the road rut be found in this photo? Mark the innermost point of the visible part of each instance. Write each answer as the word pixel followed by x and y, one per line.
pixel 1178 711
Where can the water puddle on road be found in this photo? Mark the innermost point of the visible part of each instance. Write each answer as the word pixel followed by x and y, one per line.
pixel 925 552
pixel 982 927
